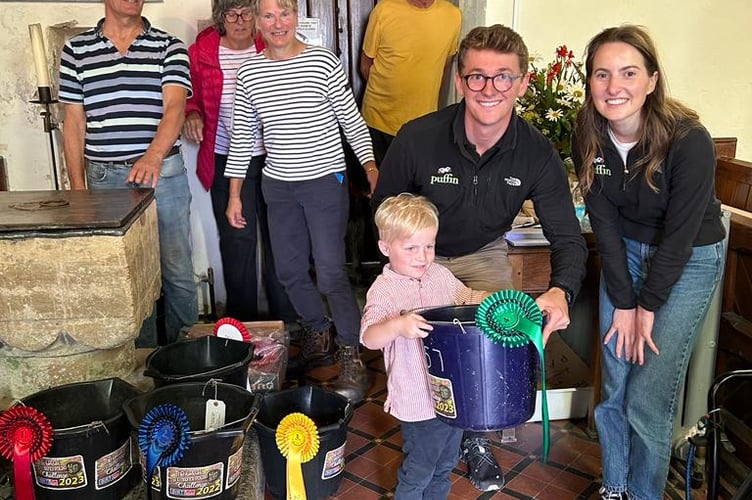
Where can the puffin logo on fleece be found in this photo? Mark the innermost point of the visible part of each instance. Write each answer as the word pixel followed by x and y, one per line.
pixel 445 176
pixel 600 168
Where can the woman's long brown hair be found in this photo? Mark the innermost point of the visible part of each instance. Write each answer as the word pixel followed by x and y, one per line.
pixel 664 119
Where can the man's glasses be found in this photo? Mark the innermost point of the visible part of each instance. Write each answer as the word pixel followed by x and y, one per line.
pixel 232 17
pixel 501 82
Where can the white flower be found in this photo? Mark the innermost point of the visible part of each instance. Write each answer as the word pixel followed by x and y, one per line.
pixel 553 115
pixel 577 92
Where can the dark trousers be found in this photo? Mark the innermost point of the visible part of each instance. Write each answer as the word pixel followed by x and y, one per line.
pixel 238 247
pixel 309 219
pixel 430 449
pixel 381 142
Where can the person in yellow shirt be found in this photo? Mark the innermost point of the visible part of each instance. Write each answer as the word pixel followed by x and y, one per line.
pixel 407 47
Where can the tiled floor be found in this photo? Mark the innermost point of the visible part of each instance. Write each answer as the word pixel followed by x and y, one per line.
pixel 373 455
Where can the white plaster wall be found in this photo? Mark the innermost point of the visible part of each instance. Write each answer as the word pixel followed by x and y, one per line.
pixel 703 46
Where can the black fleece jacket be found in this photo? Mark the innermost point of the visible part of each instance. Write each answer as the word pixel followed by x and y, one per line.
pixel 684 213
pixel 479 196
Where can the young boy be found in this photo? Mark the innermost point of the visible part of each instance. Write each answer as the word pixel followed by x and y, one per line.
pixel 407 236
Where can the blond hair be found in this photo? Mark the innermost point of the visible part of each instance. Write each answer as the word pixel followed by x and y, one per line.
pixel 403 215
pixel 283 4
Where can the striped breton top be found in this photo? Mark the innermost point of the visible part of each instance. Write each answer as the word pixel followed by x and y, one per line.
pixel 229 61
pixel 121 94
pixel 300 103
pixel 409 397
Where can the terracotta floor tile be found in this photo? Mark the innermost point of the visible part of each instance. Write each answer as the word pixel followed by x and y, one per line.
pixel 360 492
pixel 383 455
pixel 355 443
pixel 525 485
pixel 551 492
pixel 361 467
pixel 544 473
pixel 461 487
pixel 574 483
pixel 590 464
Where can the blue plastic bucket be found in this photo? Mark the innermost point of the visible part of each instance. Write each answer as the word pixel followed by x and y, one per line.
pixel 477 384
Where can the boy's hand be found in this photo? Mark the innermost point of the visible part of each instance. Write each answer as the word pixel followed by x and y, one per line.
pixel 413 325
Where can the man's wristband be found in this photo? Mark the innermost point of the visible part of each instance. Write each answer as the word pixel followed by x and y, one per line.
pixel 371 169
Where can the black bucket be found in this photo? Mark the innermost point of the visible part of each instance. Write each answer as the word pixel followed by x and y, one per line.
pixel 91 454
pixel 212 465
pixel 477 384
pixel 331 413
pixel 200 360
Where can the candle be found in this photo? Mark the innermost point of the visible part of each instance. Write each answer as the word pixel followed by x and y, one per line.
pixel 40 56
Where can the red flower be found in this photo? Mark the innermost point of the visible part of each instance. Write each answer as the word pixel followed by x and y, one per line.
pixel 562 51
pixel 556 68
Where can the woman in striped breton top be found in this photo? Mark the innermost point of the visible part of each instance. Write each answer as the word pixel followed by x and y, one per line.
pixel 299 96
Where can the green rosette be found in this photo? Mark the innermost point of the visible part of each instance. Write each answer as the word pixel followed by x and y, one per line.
pixel 512 318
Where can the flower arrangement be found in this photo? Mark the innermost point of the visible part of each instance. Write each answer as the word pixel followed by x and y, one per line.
pixel 554 95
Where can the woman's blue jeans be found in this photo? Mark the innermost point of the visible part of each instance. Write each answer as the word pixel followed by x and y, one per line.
pixel 639 403
pixel 173 198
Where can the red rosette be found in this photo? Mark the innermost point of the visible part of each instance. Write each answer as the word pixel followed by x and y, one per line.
pixel 230 328
pixel 25 437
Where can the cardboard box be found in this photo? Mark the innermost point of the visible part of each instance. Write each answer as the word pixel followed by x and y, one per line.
pixel 275 329
pixel 271 341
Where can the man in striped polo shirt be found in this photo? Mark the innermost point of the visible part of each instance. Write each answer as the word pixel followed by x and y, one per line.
pixel 124 86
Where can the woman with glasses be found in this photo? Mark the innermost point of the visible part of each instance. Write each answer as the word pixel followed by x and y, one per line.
pixel 215 58
pixel 647 168
pixel 301 98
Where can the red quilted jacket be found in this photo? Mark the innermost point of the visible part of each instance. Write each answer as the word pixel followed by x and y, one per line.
pixel 206 79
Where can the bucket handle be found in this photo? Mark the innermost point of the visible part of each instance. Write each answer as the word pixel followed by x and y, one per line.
pixel 255 409
pixel 253 413
pixel 457 322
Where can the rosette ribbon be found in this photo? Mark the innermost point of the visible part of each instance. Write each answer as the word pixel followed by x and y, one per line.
pixel 25 437
pixel 298 441
pixel 231 328
pixel 512 318
pixel 164 436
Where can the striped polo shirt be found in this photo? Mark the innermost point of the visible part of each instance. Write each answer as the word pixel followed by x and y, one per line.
pixel 121 94
pixel 300 103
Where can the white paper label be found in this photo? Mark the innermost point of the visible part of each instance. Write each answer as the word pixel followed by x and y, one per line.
pixel 215 414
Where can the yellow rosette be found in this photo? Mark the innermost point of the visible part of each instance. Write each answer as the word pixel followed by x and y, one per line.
pixel 298 441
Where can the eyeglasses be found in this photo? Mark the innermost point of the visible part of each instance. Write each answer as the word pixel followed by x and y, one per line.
pixel 232 17
pixel 501 82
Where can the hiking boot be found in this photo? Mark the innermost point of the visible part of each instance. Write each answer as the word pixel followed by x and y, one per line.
pixel 352 382
pixel 317 349
pixel 482 468
pixel 612 495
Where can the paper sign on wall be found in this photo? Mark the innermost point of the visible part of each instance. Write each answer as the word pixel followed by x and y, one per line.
pixel 309 31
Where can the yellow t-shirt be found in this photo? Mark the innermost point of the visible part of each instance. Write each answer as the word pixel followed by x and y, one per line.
pixel 410 47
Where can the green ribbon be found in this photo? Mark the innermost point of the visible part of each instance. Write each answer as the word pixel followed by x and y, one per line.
pixel 512 318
